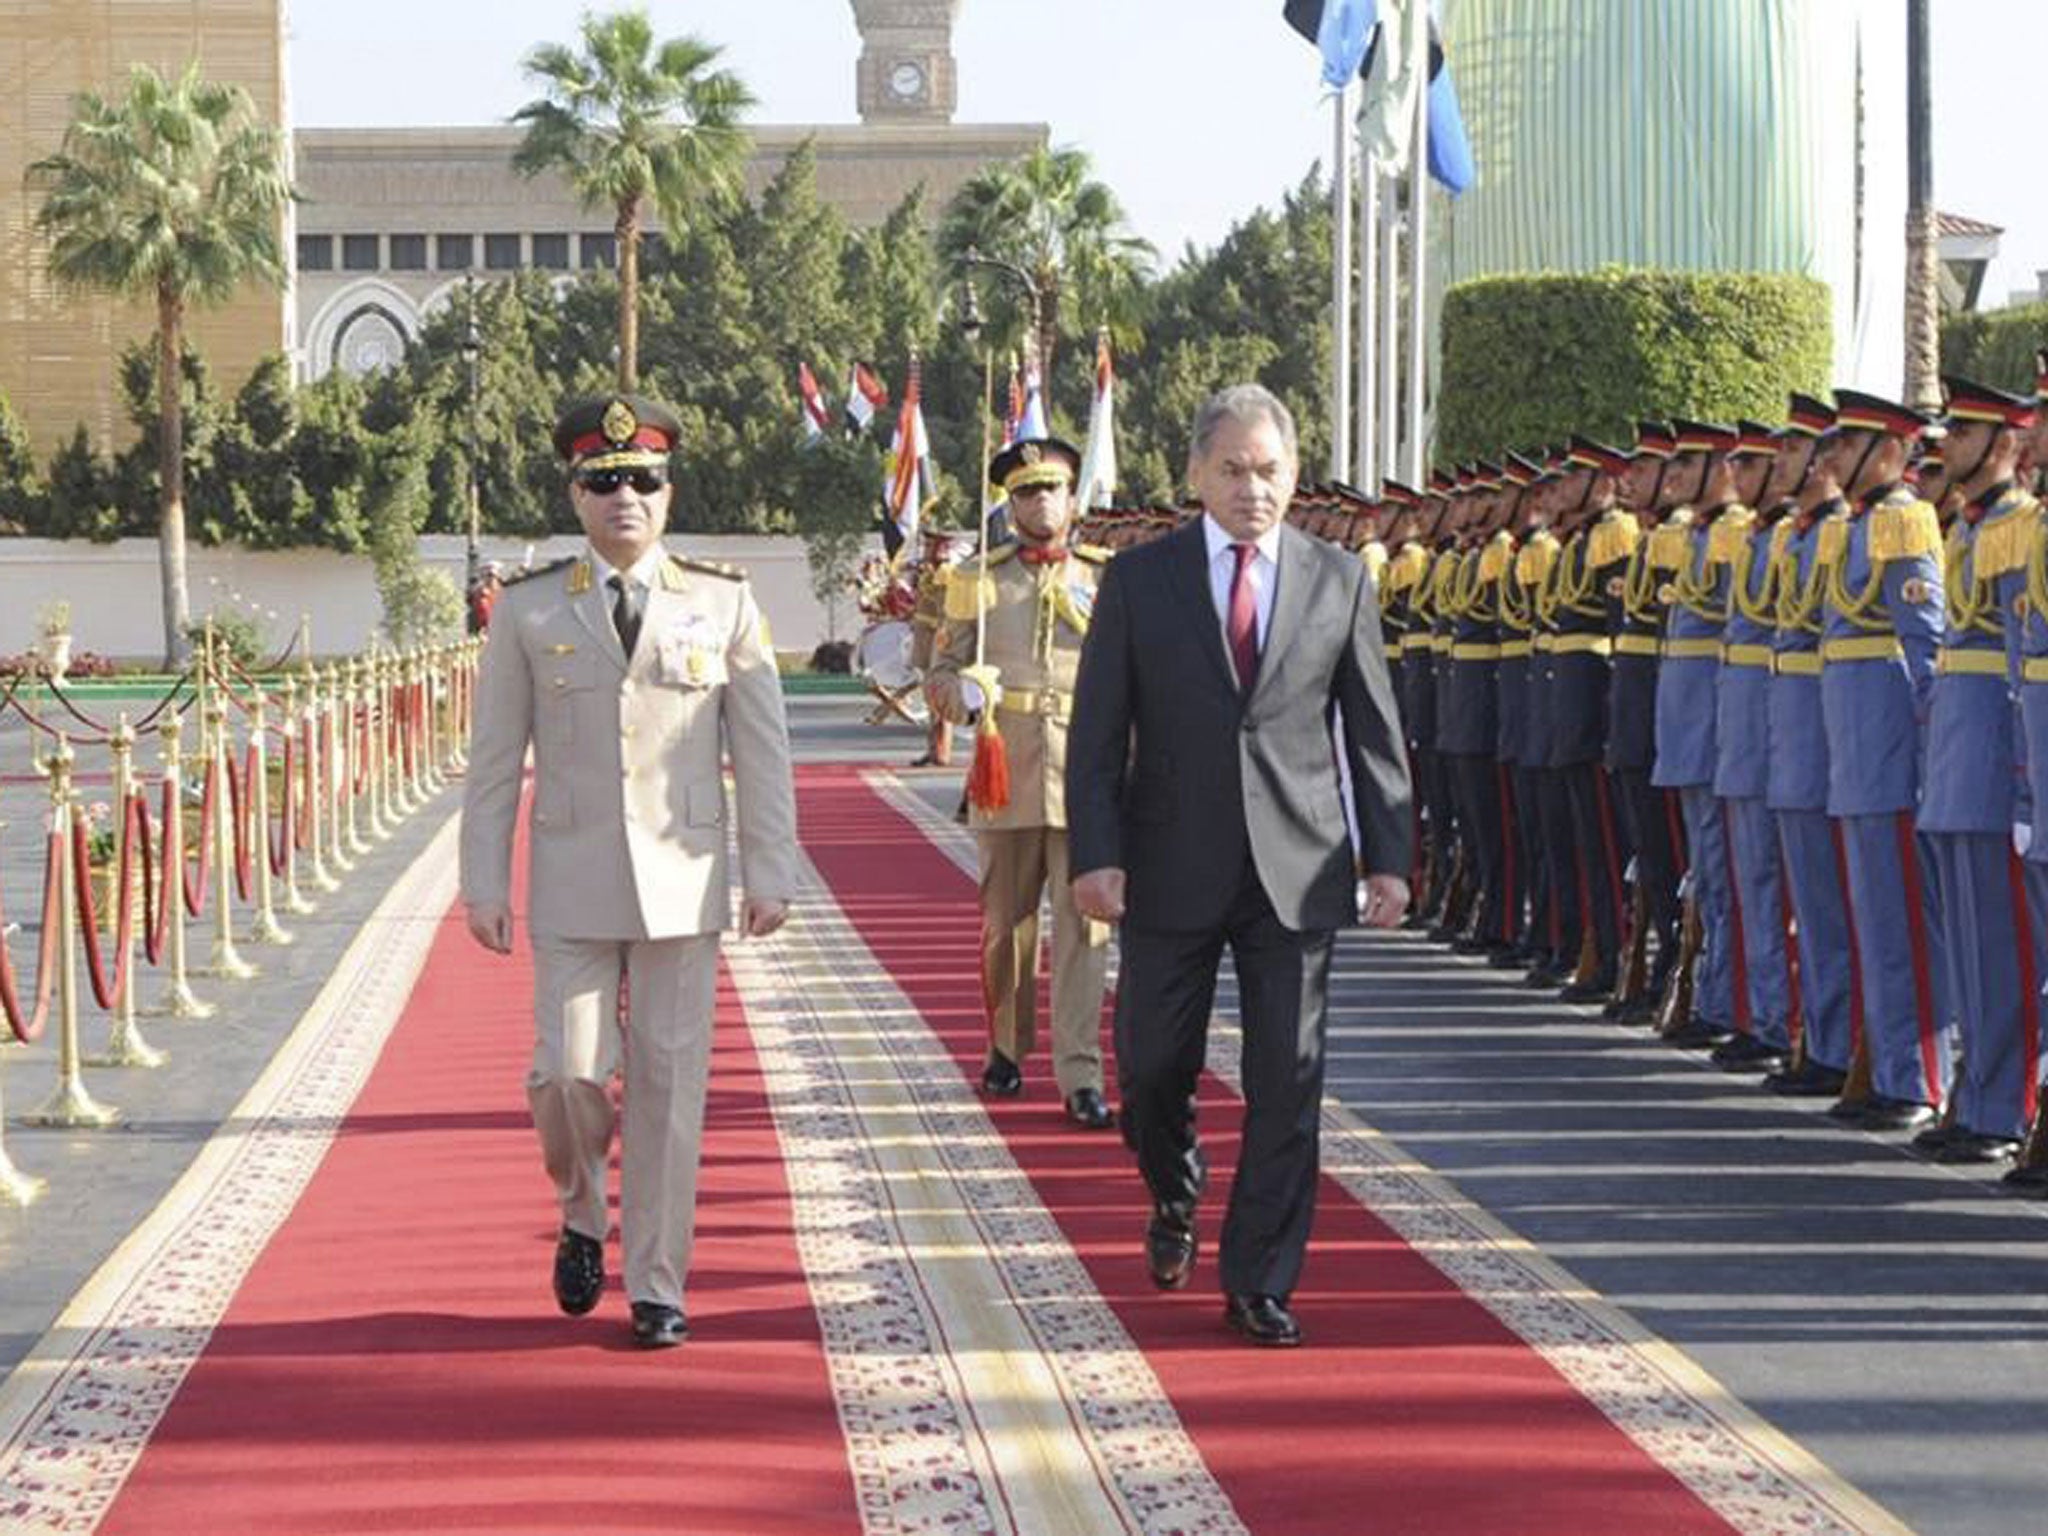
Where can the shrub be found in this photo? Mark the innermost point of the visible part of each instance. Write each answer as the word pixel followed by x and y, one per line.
pixel 1996 348
pixel 1530 360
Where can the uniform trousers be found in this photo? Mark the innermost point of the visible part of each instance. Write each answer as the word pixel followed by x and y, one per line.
pixel 1482 833
pixel 1653 835
pixel 1017 866
pixel 2034 873
pixel 1440 805
pixel 1166 992
pixel 1567 932
pixel 665 1047
pixel 1897 915
pixel 1601 851
pixel 1816 875
pixel 1534 881
pixel 1760 908
pixel 1989 954
pixel 1716 985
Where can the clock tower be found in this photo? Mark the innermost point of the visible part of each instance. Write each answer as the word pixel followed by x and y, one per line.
pixel 906 72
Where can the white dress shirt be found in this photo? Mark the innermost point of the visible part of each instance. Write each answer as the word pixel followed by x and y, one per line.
pixel 1263 574
pixel 644 573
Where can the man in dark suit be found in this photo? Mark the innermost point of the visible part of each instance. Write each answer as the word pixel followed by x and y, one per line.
pixel 1205 808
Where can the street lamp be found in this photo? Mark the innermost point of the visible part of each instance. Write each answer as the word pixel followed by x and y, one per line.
pixel 472 357
pixel 973 258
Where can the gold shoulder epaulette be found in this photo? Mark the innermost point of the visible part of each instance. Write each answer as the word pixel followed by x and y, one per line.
pixel 1375 557
pixel 539 570
pixel 968 591
pixel 710 568
pixel 1407 567
pixel 1493 560
pixel 1614 538
pixel 2005 540
pixel 1094 554
pixel 1903 530
pixel 1535 560
pixel 1781 535
pixel 1834 539
pixel 1669 543
pixel 1729 533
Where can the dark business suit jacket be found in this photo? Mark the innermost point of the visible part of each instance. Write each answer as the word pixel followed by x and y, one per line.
pixel 1174 776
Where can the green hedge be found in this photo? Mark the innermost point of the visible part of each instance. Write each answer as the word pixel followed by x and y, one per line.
pixel 1530 360
pixel 1996 348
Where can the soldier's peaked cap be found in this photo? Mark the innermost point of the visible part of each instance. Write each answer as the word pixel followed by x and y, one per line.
pixel 1035 461
pixel 1856 411
pixel 1969 401
pixel 621 431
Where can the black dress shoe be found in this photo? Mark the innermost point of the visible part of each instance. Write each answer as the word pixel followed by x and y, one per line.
pixel 656 1325
pixel 1809 1080
pixel 1085 1107
pixel 1696 1034
pixel 1746 1053
pixel 1882 1114
pixel 1974 1147
pixel 1264 1320
pixel 1547 977
pixel 1000 1077
pixel 2030 1182
pixel 1509 957
pixel 1169 1249
pixel 579 1272
pixel 1597 990
pixel 1472 944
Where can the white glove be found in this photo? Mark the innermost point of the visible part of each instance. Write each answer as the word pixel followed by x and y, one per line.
pixel 2022 838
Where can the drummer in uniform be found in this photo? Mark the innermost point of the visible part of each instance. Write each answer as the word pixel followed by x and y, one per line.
pixel 926 620
pixel 1032 600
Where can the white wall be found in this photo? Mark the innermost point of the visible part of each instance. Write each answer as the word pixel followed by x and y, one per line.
pixel 116 608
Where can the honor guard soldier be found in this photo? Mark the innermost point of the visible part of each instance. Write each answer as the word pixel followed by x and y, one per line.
pixel 1419 687
pixel 1029 602
pixel 631 673
pixel 1968 800
pixel 1561 933
pixel 1741 544
pixel 1468 725
pixel 1797 787
pixel 1596 538
pixel 2023 592
pixel 1688 678
pixel 1882 621
pixel 1635 617
pixel 926 620
pixel 1403 632
pixel 1527 913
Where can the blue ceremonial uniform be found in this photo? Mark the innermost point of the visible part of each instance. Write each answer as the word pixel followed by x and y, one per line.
pixel 1419 695
pixel 1522 881
pixel 1968 804
pixel 1742 747
pixel 1581 676
pixel 1687 680
pixel 1564 932
pixel 1881 627
pixel 1468 731
pixel 2022 587
pixel 1635 619
pixel 1797 792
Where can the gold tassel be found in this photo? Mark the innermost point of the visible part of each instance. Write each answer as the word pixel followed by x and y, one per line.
pixel 1904 530
pixel 1834 539
pixel 1494 559
pixel 988 780
pixel 2004 543
pixel 1613 538
pixel 1729 533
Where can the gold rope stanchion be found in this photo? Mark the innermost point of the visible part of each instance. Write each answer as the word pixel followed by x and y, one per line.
pixel 401 726
pixel 264 928
pixel 409 796
pixel 375 721
pixel 316 784
pixel 16 1188
pixel 334 758
pixel 296 901
pixel 225 961
pixel 178 1000
pixel 355 712
pixel 69 1105
pixel 125 1046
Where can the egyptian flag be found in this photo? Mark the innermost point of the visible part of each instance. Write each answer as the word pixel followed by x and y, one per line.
pixel 865 395
pixel 816 417
pixel 907 478
pixel 1098 459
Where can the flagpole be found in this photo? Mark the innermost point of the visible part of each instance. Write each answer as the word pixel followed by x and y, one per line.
pixel 1390 325
pixel 1418 248
pixel 1367 463
pixel 1340 295
pixel 988 384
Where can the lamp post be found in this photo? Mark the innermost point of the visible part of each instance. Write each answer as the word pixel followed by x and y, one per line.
pixel 973 258
pixel 472 357
pixel 970 332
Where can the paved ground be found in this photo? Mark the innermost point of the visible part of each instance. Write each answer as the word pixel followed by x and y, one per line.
pixel 1890 1315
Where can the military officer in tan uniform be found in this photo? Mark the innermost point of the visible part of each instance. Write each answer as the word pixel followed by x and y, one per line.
pixel 630 673
pixel 1035 596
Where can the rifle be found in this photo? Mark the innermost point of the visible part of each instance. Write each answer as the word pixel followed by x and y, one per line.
pixel 1674 1009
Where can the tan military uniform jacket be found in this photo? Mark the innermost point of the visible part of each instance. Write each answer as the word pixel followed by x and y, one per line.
pixel 628 829
pixel 1037 617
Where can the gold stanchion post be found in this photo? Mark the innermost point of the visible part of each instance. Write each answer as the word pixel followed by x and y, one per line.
pixel 178 1000
pixel 317 787
pixel 355 711
pixel 264 928
pixel 125 1046
pixel 226 960
pixel 69 1105
pixel 337 769
pixel 296 901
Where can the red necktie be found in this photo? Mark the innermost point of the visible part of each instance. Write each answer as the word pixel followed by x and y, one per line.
pixel 1241 629
pixel 1042 554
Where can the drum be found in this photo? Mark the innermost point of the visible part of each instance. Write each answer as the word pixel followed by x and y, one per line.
pixel 882 655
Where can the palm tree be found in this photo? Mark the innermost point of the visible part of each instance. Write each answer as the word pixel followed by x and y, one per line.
pixel 174 192
pixel 628 121
pixel 1044 214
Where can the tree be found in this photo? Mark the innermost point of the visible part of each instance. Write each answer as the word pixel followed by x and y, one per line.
pixel 172 193
pixel 1044 214
pixel 24 503
pixel 627 121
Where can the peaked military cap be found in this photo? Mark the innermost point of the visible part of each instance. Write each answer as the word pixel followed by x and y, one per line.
pixel 1520 471
pixel 1035 461
pixel 1755 437
pixel 1808 417
pixel 1705 437
pixel 616 432
pixel 1970 402
pixel 1395 494
pixel 1585 453
pixel 1857 412
pixel 1654 439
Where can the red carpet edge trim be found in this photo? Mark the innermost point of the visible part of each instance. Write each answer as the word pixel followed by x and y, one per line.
pixel 1746 1471
pixel 77 1412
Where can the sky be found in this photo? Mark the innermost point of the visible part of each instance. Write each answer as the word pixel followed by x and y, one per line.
pixel 1194 112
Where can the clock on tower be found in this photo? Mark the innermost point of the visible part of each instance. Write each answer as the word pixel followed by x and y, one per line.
pixel 906 72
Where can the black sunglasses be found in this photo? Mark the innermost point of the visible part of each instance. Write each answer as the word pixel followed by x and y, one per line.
pixel 602 482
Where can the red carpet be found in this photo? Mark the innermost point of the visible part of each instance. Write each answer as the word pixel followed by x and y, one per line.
pixel 1412 1408
pixel 394 1361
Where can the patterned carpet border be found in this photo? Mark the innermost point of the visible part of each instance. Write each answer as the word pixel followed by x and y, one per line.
pixel 1748 1472
pixel 77 1412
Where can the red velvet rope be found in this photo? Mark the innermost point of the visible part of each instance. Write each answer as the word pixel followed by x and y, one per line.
pixel 109 994
pixel 30 1029
pixel 195 897
pixel 281 844
pixel 159 926
pixel 241 808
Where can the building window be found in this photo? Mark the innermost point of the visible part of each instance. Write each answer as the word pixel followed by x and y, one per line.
pixel 600 250
pixel 551 252
pixel 454 253
pixel 359 253
pixel 408 253
pixel 316 253
pixel 501 253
